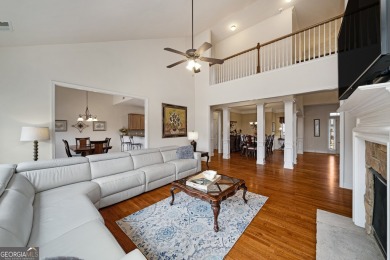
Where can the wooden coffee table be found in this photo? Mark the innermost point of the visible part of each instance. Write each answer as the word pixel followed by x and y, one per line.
pixel 221 190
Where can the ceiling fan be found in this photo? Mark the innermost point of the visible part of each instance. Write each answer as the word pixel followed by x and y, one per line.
pixel 192 55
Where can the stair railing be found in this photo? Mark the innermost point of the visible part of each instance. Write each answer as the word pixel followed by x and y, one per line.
pixel 304 45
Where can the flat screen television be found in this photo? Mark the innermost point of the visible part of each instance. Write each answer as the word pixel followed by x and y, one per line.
pixel 363 45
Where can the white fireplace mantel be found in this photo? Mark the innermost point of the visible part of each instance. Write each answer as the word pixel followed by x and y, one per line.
pixel 370 105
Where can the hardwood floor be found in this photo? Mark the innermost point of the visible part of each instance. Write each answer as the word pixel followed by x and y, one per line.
pixel 285 228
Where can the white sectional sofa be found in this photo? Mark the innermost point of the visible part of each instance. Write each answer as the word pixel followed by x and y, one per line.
pixel 54 204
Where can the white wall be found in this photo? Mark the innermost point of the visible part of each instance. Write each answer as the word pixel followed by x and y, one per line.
pixel 318 144
pixel 71 102
pixel 272 28
pixel 133 68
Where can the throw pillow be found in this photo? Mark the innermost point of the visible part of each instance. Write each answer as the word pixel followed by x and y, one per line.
pixel 185 152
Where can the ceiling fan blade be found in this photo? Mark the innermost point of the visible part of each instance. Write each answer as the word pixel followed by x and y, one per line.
pixel 204 47
pixel 211 60
pixel 176 51
pixel 176 63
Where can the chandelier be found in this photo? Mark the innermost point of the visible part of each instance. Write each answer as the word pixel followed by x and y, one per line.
pixel 87 115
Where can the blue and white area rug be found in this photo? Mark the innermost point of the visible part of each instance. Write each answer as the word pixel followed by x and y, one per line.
pixel 185 230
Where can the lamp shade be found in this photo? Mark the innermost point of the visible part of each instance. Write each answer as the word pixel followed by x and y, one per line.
pixel 192 135
pixel 31 133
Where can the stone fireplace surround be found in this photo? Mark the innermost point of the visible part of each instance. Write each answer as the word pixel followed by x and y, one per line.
pixel 370 105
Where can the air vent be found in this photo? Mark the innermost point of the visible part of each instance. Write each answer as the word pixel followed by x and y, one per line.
pixel 5 26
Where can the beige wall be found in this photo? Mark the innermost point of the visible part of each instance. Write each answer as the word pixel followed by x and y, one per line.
pixel 135 68
pixel 71 102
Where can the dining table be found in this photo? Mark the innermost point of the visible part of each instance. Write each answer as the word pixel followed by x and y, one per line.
pixel 85 150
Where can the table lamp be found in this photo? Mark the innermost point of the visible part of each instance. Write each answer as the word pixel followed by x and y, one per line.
pixel 35 134
pixel 193 136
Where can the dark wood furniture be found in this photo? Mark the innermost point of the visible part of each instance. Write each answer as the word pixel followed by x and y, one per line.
pixel 83 150
pixel 83 141
pixel 67 149
pixel 89 149
pixel 235 143
pixel 223 189
pixel 100 146
pixel 205 154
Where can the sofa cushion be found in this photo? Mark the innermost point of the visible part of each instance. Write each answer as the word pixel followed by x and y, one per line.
pixel 45 175
pixel 158 171
pixel 120 182
pixel 169 153
pixel 6 172
pixel 109 164
pixel 16 217
pixel 183 165
pixel 54 220
pixel 185 152
pixel 146 157
pixel 20 184
pixel 91 240
pixel 53 196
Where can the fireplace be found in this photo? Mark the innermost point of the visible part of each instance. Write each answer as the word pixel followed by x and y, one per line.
pixel 379 210
pixel 367 139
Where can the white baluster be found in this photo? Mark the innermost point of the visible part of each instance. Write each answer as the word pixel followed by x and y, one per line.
pixel 324 40
pixel 295 49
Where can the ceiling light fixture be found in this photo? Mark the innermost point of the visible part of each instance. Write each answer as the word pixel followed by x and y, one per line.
pixel 288 1
pixel 194 55
pixel 233 27
pixel 193 65
pixel 87 115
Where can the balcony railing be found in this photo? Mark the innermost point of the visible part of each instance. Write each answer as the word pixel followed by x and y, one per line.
pixel 308 44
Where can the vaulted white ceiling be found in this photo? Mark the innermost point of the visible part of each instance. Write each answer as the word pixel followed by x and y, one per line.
pixel 59 21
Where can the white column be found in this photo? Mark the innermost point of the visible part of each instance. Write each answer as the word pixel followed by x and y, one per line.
pixel 359 181
pixel 226 133
pixel 212 140
pixel 300 134
pixel 289 139
pixel 220 149
pixel 347 123
pixel 260 134
pixel 295 133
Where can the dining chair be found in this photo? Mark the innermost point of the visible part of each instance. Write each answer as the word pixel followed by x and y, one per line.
pixel 106 145
pixel 67 149
pixel 125 141
pixel 137 145
pixel 98 146
pixel 83 141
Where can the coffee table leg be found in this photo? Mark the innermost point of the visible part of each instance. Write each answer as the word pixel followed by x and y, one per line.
pixel 173 195
pixel 243 186
pixel 216 208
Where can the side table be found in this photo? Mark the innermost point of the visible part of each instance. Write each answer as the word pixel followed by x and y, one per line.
pixel 205 154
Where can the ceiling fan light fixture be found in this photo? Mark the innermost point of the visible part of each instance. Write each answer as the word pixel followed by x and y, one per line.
pixel 193 65
pixel 192 55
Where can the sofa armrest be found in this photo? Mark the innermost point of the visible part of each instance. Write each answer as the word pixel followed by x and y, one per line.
pixel 6 172
pixel 199 164
pixel 134 255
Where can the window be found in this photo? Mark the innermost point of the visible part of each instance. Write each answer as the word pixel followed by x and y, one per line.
pixel 332 134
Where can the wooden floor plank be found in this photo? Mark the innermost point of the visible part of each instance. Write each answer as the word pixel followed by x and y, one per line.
pixel 285 227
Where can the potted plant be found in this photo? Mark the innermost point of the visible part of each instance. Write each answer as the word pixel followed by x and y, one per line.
pixel 123 131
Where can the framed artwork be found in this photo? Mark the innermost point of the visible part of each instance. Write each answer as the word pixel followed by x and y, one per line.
pixel 99 125
pixel 316 128
pixel 273 127
pixel 174 121
pixel 61 126
pixel 80 126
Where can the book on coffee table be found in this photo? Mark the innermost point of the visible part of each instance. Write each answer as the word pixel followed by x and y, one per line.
pixel 200 182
